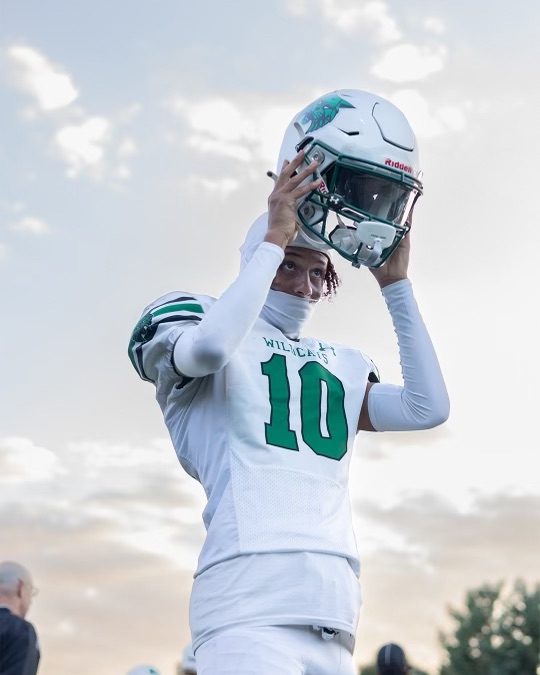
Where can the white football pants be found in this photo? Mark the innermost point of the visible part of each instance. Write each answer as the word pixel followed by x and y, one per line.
pixel 273 650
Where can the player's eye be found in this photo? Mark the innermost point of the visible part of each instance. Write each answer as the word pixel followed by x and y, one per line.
pixel 318 272
pixel 287 265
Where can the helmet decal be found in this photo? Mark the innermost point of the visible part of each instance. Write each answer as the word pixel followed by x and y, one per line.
pixel 322 111
pixel 144 331
pixel 398 165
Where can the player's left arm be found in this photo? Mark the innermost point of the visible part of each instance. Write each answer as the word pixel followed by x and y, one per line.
pixel 422 402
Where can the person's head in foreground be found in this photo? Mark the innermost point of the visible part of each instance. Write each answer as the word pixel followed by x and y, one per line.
pixel 16 587
pixel 391 660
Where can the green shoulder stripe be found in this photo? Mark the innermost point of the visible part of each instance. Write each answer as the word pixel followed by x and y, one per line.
pixel 179 307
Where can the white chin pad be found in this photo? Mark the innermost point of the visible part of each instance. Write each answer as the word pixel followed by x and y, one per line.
pixel 370 232
pixel 374 236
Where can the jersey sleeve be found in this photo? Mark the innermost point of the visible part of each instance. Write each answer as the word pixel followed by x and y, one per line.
pixel 152 341
pixel 373 373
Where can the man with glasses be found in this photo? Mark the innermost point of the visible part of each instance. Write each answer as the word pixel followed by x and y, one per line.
pixel 19 648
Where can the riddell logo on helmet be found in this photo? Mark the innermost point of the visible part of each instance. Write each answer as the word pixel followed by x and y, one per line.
pixel 398 165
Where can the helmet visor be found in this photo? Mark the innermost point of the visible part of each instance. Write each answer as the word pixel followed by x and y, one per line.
pixel 360 206
pixel 373 196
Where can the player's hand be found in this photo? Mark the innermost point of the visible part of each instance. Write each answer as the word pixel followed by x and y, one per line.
pixel 397 265
pixel 288 188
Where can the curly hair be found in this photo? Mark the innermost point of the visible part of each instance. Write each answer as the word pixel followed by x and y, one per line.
pixel 331 281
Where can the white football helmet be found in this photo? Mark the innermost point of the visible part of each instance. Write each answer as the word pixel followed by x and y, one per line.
pixel 370 178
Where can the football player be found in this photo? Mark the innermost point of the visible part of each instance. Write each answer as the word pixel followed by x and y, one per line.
pixel 266 418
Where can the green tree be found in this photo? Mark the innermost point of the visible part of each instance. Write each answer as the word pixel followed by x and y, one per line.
pixel 367 670
pixel 497 633
pixel 372 670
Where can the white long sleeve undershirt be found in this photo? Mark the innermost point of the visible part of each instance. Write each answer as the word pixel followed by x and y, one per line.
pixel 423 401
pixel 208 346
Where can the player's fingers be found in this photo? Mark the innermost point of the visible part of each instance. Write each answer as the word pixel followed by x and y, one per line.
pixel 302 175
pixel 288 169
pixel 303 189
pixel 296 161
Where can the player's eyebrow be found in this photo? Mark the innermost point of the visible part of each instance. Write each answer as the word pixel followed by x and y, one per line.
pixel 322 258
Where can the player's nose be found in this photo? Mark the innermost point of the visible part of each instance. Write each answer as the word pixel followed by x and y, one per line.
pixel 303 287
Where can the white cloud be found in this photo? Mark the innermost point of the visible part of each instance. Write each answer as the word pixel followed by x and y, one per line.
pixel 351 16
pixel 427 120
pixel 218 118
pixel 94 455
pixel 250 132
pixel 408 63
pixel 13 207
pixel 242 132
pixel 272 122
pixel 22 461
pixel 31 225
pixel 453 118
pixel 133 494
pixel 83 145
pixel 122 172
pixel 139 491
pixel 51 87
pixel 220 147
pixel 298 7
pixel 84 141
pixel 434 25
pixel 127 148
pixel 223 187
pixel 91 146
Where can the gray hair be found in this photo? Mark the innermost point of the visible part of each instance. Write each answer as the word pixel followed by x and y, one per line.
pixel 10 574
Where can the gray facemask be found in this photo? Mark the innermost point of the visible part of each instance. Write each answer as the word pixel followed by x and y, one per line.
pixel 286 312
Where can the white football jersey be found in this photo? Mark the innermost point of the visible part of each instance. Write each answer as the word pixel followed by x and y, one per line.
pixel 269 436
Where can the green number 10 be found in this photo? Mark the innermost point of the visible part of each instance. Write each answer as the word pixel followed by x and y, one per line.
pixel 315 383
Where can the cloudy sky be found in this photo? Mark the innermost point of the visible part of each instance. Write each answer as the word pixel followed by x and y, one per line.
pixel 135 138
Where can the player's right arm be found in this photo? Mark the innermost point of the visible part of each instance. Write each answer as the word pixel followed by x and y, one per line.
pixel 208 346
pixel 178 338
pixel 205 348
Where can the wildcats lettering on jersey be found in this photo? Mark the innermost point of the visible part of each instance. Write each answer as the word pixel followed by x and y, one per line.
pixel 303 352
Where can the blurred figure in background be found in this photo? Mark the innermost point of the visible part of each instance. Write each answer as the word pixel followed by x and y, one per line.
pixel 19 652
pixel 188 666
pixel 391 660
